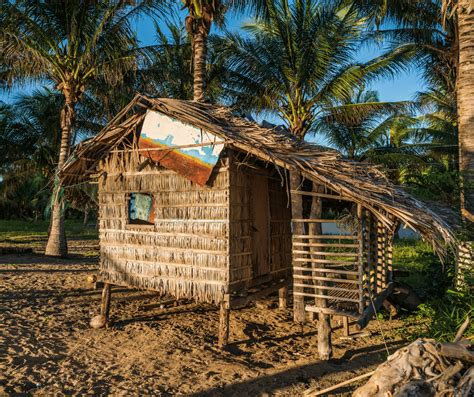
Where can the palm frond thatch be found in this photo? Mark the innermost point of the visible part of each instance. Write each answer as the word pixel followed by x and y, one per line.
pixel 363 183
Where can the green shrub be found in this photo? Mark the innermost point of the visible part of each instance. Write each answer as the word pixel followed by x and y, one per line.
pixel 441 318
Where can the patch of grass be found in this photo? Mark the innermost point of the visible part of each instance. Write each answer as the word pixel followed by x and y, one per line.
pixel 12 231
pixel 443 310
pixel 427 275
pixel 441 318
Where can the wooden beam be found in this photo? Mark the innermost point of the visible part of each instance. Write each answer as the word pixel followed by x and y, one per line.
pixel 314 393
pixel 315 220
pixel 170 148
pixel 336 298
pixel 333 312
pixel 328 236
pixel 325 245
pixel 322 195
pixel 325 270
pixel 361 229
pixel 338 280
pixel 242 301
pixel 374 306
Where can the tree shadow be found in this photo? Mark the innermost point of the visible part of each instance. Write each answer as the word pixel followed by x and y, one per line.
pixel 351 362
pixel 163 314
pixel 13 271
pixel 269 338
pixel 38 259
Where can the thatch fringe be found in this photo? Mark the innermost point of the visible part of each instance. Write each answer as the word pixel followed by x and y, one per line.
pixel 199 290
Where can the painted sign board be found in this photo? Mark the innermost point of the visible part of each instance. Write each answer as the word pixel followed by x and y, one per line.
pixel 188 150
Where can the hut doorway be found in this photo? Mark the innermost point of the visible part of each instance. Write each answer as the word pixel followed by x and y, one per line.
pixel 260 213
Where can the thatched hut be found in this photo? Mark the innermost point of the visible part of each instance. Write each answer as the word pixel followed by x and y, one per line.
pixel 198 203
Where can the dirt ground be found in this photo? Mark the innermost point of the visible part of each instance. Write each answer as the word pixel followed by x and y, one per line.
pixel 48 348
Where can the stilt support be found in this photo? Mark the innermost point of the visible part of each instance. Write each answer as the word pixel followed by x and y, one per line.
pixel 105 305
pixel 224 317
pixel 102 319
pixel 283 297
pixel 324 337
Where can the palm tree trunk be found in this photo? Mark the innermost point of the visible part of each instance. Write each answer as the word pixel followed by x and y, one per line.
pixel 57 245
pixel 200 54
pixel 465 99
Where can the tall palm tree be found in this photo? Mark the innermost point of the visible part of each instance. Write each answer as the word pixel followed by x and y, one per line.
pixel 439 126
pixel 443 29
pixel 201 15
pixel 170 72
pixel 412 148
pixel 465 101
pixel 356 135
pixel 30 135
pixel 298 63
pixel 71 44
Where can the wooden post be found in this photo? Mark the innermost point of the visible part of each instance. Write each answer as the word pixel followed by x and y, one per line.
pixel 283 297
pixel 324 337
pixel 380 258
pixel 298 229
pixel 105 304
pixel 384 258
pixel 224 317
pixel 361 268
pixel 324 319
pixel 373 264
pixel 345 326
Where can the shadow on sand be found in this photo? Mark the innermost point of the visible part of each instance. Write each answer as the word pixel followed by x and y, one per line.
pixel 351 362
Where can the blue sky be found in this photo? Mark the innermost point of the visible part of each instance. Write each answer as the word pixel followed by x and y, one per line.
pixel 403 87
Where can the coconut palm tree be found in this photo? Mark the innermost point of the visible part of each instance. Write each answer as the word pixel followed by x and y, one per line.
pixel 363 131
pixel 443 30
pixel 71 44
pixel 30 134
pixel 298 63
pixel 464 10
pixel 170 72
pixel 201 15
pixel 413 148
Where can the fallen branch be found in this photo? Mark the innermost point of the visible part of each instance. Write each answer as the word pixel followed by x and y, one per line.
pixel 462 329
pixel 313 392
pixel 456 351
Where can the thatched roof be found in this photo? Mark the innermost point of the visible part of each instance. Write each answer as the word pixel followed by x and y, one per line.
pixel 361 182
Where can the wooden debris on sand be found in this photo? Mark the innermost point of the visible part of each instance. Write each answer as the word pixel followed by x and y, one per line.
pixel 423 368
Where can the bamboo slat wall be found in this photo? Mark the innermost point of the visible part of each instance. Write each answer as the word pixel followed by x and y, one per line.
pixel 341 274
pixel 185 252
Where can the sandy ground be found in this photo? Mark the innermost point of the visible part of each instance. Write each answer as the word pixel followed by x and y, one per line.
pixel 48 348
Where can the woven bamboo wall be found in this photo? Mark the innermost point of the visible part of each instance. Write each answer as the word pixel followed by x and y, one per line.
pixel 185 252
pixel 242 268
